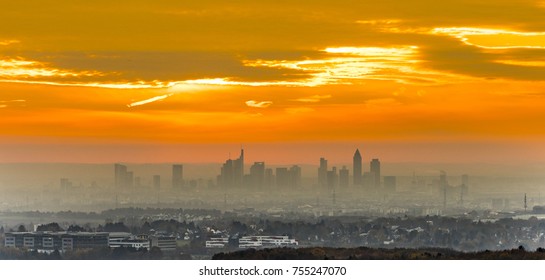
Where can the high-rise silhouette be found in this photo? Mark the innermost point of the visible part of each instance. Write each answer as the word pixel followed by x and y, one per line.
pixel 343 177
pixel 123 179
pixel 322 173
pixel 375 172
pixel 177 176
pixel 232 172
pixel 257 175
pixel 357 168
pixel 238 168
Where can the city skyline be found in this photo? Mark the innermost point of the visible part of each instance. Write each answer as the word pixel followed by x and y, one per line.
pixel 308 129
pixel 461 81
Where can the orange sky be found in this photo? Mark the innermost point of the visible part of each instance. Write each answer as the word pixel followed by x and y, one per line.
pixel 166 81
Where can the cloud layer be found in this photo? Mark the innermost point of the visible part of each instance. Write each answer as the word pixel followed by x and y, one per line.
pixel 311 70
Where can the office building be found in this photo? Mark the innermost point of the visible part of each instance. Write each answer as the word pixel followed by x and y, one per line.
pixel 295 176
pixel 121 176
pixel 357 168
pixel 390 184
pixel 166 243
pixel 232 172
pixel 332 178
pixel 368 180
pixel 375 172
pixel 130 179
pixel 343 177
pixel 266 242
pixel 269 178
pixel 322 173
pixel 156 182
pixel 177 176
pixel 50 241
pixel 257 175
pixel 282 177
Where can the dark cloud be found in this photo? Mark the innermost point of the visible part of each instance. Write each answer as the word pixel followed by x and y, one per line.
pixel 163 66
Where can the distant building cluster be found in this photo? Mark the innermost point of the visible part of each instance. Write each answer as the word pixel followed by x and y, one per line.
pixel 371 180
pixel 233 176
pixel 125 180
pixel 62 241
pixel 254 241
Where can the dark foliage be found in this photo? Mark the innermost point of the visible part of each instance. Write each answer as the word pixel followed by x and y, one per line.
pixel 364 253
pixel 50 227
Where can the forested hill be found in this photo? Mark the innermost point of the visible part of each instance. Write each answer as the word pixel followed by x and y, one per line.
pixel 364 253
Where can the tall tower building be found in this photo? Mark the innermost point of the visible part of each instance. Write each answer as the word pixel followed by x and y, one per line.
pixel 295 176
pixel 177 176
pixel 226 175
pixel 322 173
pixel 156 182
pixel 390 184
pixel 129 180
pixel 257 175
pixel 375 172
pixel 120 176
pixel 332 178
pixel 269 178
pixel 357 168
pixel 282 177
pixel 232 172
pixel 238 169
pixel 343 177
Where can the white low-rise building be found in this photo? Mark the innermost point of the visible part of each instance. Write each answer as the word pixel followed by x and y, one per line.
pixel 266 241
pixel 217 242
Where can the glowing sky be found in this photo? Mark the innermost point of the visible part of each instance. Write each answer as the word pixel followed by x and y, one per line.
pixel 423 80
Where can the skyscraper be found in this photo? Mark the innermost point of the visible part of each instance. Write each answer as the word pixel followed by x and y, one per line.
pixel 156 182
pixel 238 168
pixel 177 176
pixel 357 168
pixel 390 184
pixel 269 178
pixel 332 178
pixel 120 176
pixel 375 172
pixel 232 172
pixel 257 175
pixel 322 173
pixel 282 177
pixel 225 178
pixel 295 176
pixel 129 180
pixel 343 177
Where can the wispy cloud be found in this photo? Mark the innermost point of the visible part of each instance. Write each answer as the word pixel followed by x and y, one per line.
pixel 11 103
pixel 350 65
pixel 258 104
pixel 120 85
pixel 380 21
pixel 494 38
pixel 299 110
pixel 15 100
pixel 8 42
pixel 20 68
pixel 313 98
pixel 150 100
